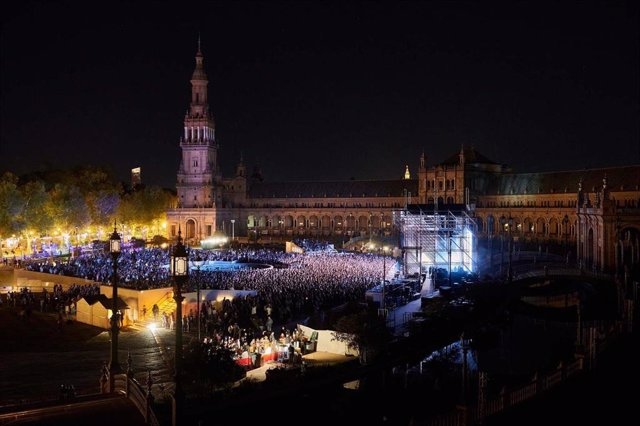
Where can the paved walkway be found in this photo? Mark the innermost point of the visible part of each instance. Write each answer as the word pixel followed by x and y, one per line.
pixel 32 373
pixel 105 411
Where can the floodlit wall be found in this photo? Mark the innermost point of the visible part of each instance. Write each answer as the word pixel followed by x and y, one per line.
pixel 37 281
pixel 291 247
pixel 135 299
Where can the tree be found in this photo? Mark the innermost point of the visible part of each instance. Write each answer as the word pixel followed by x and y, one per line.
pixel 103 206
pixel 11 205
pixel 68 208
pixel 211 365
pixel 144 205
pixel 34 210
pixel 365 331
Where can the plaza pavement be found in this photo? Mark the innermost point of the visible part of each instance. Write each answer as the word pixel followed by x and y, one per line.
pixel 32 372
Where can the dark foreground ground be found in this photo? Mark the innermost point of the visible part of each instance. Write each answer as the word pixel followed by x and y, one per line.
pixel 608 395
pixel 37 356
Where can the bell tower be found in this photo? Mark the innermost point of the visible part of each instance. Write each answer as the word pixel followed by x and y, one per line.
pixel 198 172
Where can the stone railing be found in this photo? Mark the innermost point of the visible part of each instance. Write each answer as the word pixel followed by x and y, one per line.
pixel 139 394
pixel 596 337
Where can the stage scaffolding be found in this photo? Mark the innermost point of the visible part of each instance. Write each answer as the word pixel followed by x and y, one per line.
pixel 439 238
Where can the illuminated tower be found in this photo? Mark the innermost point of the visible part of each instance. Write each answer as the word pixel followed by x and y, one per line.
pixel 198 170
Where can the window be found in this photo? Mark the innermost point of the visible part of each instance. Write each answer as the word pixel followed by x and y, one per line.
pixel 208 230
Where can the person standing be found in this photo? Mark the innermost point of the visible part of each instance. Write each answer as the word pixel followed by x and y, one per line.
pixel 144 312
pixel 155 311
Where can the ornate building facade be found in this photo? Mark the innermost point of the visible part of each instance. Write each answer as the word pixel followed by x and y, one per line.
pixel 594 213
pixel 243 205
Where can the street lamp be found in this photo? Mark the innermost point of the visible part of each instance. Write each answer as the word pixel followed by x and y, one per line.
pixel 114 249
pixel 509 270
pixel 179 269
pixel 502 222
pixel 565 222
pixel 198 262
pixel 506 223
pixel 490 232
pixel 233 229
pixel 384 279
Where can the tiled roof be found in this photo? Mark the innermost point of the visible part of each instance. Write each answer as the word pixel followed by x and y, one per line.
pixel 334 189
pixel 471 156
pixel 618 179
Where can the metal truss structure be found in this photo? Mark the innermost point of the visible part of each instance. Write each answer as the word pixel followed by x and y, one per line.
pixel 436 238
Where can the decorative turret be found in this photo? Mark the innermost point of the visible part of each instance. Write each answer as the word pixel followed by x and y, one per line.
pixel 240 169
pixel 462 155
pixel 407 175
pixel 422 161
pixel 580 194
pixel 199 81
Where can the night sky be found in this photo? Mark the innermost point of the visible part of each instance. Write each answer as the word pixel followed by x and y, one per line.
pixel 316 91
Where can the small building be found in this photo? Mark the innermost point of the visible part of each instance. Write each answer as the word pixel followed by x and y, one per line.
pixel 96 310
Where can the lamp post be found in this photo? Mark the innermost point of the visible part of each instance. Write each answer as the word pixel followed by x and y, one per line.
pixel 384 279
pixel 179 270
pixel 114 249
pixel 198 262
pixel 490 231
pixel 565 222
pixel 509 270
pixel 233 229
pixel 502 222
pixel 506 223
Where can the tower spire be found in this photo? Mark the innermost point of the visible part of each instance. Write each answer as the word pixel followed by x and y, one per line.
pixel 198 172
pixel 407 175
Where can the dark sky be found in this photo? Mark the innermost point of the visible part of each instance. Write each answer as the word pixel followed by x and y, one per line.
pixel 321 91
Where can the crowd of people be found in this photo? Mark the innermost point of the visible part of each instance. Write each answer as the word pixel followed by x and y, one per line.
pixel 239 326
pixel 309 245
pixel 298 285
pixel 57 300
